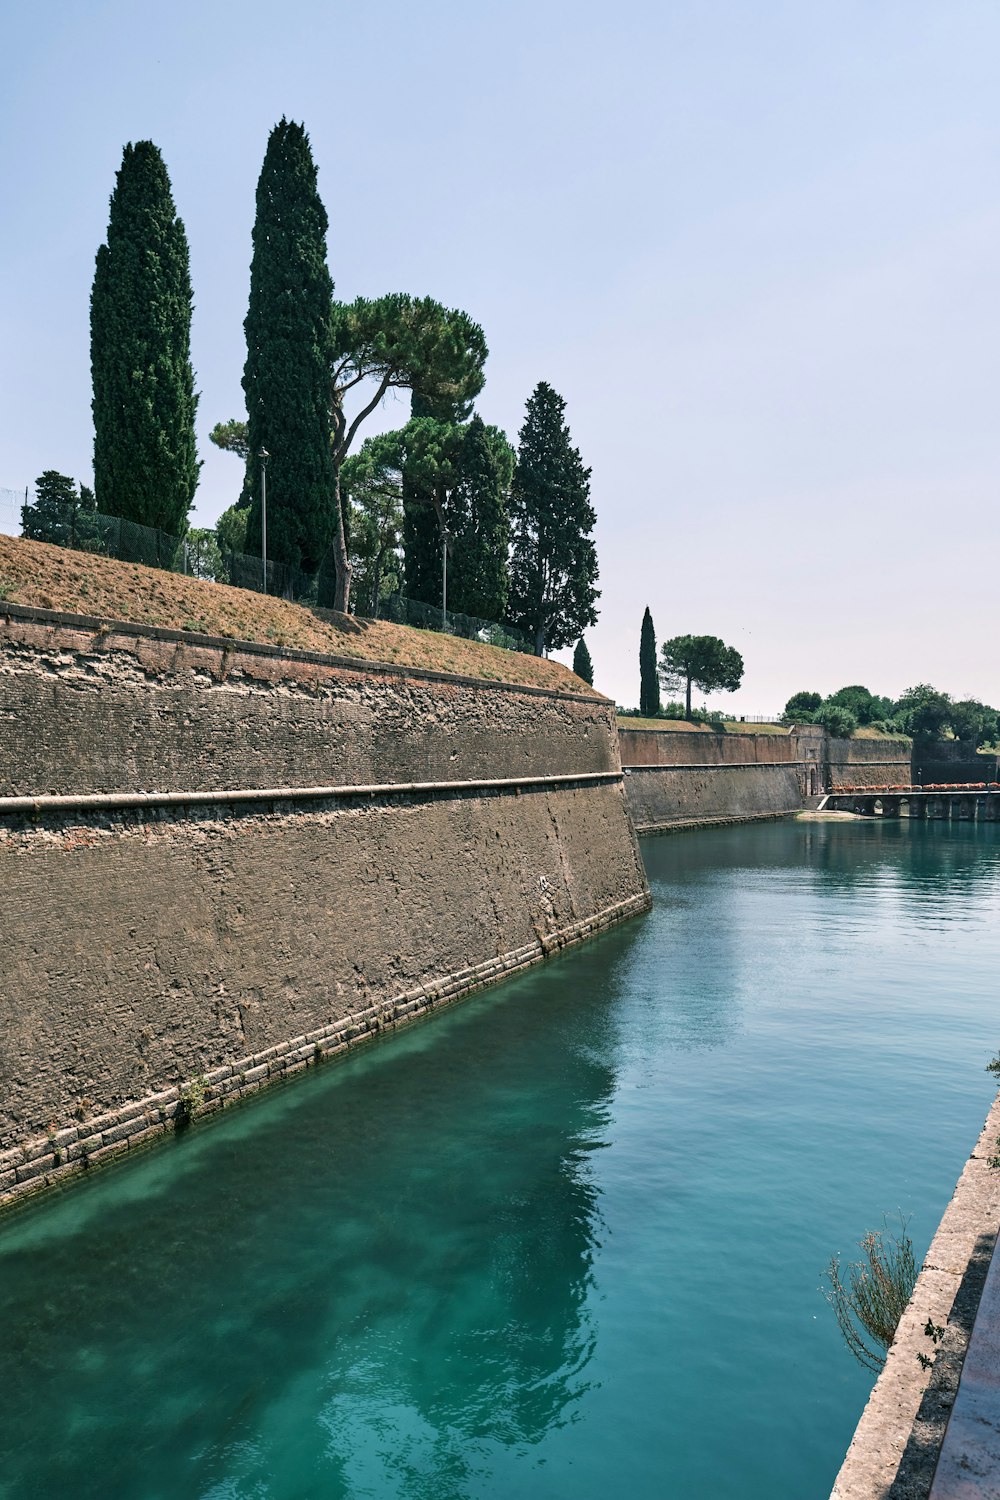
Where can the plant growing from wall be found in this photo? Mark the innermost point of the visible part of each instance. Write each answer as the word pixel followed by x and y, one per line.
pixel 870 1296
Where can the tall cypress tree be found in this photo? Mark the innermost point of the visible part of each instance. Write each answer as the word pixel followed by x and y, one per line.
pixel 553 589
pixel 421 532
pixel 478 572
pixel 287 373
pixel 649 682
pixel 145 461
pixel 582 664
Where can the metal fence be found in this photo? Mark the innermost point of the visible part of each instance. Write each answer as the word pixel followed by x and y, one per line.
pixel 199 555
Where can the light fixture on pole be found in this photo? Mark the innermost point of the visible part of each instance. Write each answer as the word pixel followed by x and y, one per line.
pixel 445 539
pixel 263 455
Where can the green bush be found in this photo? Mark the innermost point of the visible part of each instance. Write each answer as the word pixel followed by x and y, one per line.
pixel 838 722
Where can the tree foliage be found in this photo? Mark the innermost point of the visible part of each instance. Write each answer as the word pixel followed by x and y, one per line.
pixel 396 342
pixel 835 719
pixel 478 572
pixel 372 490
pixel 289 343
pixel 801 707
pixel 61 512
pixel 973 723
pixel 865 706
pixel 649 683
pixel 421 525
pixel 923 712
pixel 233 437
pixel 145 461
pixel 553 588
pixel 582 664
pixel 702 661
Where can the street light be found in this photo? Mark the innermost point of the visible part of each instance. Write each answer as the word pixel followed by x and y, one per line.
pixel 445 539
pixel 263 455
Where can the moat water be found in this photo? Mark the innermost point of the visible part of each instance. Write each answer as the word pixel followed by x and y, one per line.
pixel 564 1240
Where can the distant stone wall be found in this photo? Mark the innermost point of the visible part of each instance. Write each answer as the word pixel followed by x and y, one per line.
pixel 861 763
pixel 949 762
pixel 669 797
pixel 682 747
pixel 676 778
pixel 166 956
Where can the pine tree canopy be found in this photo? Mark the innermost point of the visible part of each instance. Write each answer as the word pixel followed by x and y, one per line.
pixel 286 378
pixel 553 588
pixel 702 661
pixel 399 342
pixel 233 437
pixel 582 664
pixel 649 684
pixel 145 462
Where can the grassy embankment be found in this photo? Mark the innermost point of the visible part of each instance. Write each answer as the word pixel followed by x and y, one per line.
pixel 737 726
pixel 34 573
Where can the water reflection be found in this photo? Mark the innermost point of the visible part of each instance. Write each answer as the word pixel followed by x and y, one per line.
pixel 362 1282
pixel 960 857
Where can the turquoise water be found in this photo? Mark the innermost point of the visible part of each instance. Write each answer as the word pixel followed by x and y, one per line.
pixel 563 1240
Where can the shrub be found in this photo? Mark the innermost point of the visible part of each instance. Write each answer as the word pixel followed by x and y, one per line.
pixel 838 722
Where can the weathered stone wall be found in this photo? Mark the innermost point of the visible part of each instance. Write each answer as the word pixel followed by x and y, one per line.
pixel 682 747
pixel 667 797
pixel 159 956
pixel 676 777
pixel 862 763
pixel 86 707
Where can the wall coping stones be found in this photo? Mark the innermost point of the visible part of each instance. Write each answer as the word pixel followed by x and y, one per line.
pixel 725 765
pixel 229 645
pixel 102 801
pixel 42 1163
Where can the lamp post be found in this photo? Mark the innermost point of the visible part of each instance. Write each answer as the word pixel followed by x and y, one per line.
pixel 263 455
pixel 445 539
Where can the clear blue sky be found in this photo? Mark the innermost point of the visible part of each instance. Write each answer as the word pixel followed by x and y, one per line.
pixel 756 247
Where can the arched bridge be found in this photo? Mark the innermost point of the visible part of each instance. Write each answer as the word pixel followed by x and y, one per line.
pixel 966 801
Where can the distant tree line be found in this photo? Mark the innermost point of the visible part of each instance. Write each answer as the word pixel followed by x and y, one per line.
pixel 923 712
pixel 446 497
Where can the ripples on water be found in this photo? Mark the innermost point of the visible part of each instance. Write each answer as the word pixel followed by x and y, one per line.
pixel 564 1240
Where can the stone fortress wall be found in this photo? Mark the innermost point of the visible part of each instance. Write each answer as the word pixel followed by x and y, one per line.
pixel 222 861
pixel 696 778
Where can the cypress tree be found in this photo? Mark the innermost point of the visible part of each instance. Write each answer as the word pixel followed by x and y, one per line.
pixel 145 461
pixel 421 532
pixel 649 682
pixel 478 576
pixel 286 378
pixel 553 589
pixel 582 664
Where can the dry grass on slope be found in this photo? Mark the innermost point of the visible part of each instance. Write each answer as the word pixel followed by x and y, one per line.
pixel 34 573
